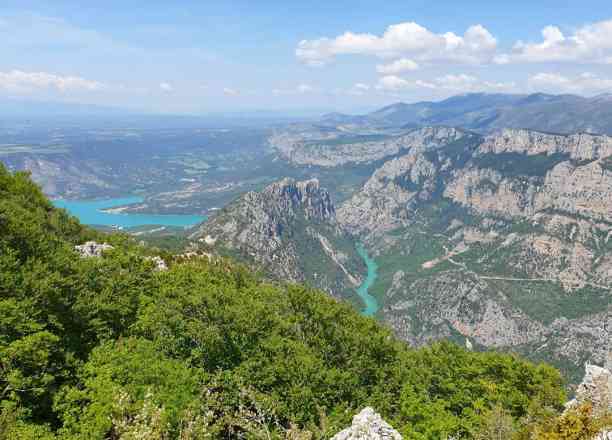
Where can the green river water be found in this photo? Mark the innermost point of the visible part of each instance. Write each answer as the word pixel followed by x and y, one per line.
pixel 371 303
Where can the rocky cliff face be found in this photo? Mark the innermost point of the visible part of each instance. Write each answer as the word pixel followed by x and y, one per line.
pixel 290 230
pixel 388 198
pixel 333 153
pixel 504 240
pixel 581 146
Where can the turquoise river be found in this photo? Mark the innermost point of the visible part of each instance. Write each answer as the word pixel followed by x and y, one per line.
pixel 371 303
pixel 92 212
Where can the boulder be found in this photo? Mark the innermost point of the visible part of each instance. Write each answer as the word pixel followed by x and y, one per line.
pixel 92 249
pixel 368 425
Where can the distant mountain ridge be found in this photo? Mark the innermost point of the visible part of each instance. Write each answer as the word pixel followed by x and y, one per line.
pixel 484 113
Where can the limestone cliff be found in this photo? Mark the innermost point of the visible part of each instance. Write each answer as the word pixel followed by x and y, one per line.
pixel 290 230
pixel 334 152
pixel 505 240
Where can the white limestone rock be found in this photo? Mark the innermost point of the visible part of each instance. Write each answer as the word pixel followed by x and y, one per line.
pixel 160 264
pixel 92 249
pixel 368 425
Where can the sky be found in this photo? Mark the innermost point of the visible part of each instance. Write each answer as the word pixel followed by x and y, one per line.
pixel 199 57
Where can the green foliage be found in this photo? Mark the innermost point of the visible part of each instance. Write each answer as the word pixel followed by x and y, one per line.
pixel 578 424
pixel 109 348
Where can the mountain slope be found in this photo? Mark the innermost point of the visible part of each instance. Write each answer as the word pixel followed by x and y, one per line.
pixel 289 229
pixel 503 240
pixel 109 347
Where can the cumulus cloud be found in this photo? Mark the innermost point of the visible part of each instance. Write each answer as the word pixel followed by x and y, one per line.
pixel 586 83
pixel 398 66
pixel 408 39
pixel 166 87
pixel 460 83
pixel 18 81
pixel 591 44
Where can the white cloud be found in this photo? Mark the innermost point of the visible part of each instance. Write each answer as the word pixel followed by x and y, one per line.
pixel 359 89
pixel 230 92
pixel 407 39
pixel 589 44
pixel 586 83
pixel 301 89
pixel 166 87
pixel 398 66
pixel 18 81
pixel 460 83
pixel 392 83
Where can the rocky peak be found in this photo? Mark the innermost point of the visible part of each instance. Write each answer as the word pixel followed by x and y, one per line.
pixel 289 194
pixel 277 226
pixel 368 425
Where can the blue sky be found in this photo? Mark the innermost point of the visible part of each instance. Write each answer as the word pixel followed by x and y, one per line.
pixel 202 56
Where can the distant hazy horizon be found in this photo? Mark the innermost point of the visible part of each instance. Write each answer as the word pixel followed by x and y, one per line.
pixel 300 57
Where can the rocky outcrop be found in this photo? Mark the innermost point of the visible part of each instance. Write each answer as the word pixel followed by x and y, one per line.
pixel 92 249
pixel 159 263
pixel 290 230
pixel 368 425
pixel 595 388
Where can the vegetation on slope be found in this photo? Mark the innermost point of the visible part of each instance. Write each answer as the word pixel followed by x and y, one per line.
pixel 108 348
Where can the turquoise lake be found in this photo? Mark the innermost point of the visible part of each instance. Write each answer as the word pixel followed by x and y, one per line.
pixel 90 212
pixel 371 303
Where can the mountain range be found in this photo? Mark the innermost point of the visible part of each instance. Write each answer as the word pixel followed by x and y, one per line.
pixel 487 112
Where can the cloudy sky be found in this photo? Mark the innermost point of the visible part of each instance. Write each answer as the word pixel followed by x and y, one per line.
pixel 204 56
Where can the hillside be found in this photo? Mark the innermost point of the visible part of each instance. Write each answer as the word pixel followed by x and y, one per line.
pixel 503 240
pixel 112 347
pixel 289 230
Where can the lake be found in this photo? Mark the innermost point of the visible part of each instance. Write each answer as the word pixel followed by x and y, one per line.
pixel 90 212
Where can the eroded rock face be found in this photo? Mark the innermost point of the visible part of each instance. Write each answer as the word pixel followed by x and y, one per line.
pixel 290 229
pixel 386 200
pixel 506 242
pixel 368 425
pixel 579 146
pixel 92 249
pixel 329 154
